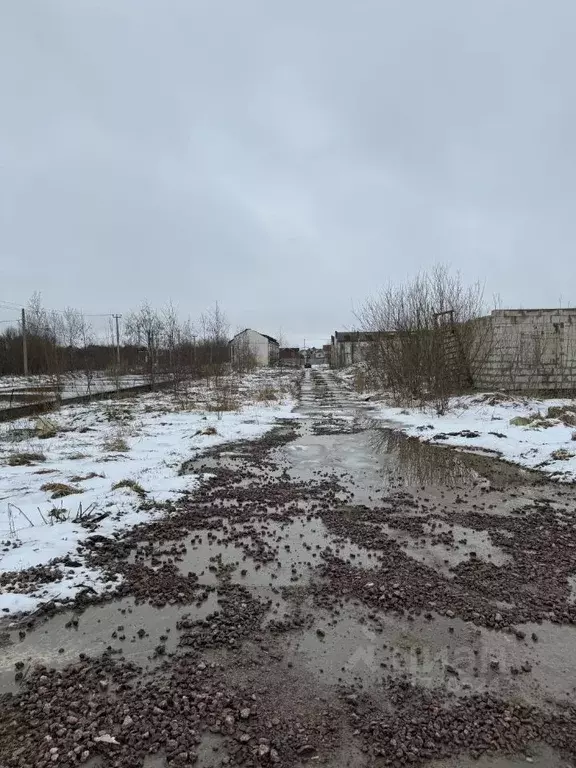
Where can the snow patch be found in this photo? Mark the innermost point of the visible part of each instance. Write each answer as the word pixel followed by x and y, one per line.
pixel 160 431
pixel 517 430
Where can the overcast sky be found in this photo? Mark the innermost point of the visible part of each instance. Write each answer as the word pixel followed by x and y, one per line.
pixel 284 157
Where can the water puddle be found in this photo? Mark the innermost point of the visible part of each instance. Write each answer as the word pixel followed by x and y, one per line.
pixel 352 648
pixel 458 545
pixel 373 462
pixel 348 456
pixel 136 630
pixel 265 553
pixel 539 756
pixel 419 463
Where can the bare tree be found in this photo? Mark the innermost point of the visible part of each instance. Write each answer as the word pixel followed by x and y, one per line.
pixel 171 332
pixel 427 335
pixel 36 316
pixel 73 327
pixel 214 332
pixel 88 361
pixel 215 325
pixel 144 327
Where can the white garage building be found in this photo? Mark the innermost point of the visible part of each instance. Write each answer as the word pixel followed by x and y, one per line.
pixel 264 349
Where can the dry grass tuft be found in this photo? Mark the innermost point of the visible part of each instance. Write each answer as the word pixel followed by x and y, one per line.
pixel 116 444
pixel 566 414
pixel 132 485
pixel 82 478
pixel 561 455
pixel 24 459
pixel 222 404
pixel 59 490
pixel 206 431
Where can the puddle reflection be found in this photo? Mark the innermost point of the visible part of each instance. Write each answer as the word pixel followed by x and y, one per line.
pixel 421 464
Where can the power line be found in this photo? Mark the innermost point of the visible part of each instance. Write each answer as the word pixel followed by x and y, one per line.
pixel 12 304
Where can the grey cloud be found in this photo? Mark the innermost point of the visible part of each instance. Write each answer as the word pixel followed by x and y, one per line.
pixel 282 158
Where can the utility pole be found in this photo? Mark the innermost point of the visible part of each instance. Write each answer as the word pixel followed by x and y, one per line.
pixel 117 318
pixel 24 343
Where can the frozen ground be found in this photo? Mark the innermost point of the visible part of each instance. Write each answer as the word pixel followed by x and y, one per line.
pixel 57 473
pixel 533 433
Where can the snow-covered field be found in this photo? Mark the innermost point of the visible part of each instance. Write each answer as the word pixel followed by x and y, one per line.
pixel 57 471
pixel 67 385
pixel 533 433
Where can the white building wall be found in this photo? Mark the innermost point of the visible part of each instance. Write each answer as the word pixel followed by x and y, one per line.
pixel 257 344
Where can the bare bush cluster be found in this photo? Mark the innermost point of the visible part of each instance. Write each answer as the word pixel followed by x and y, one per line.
pixel 428 336
pixel 154 342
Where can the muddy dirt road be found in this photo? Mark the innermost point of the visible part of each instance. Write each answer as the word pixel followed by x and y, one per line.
pixel 333 594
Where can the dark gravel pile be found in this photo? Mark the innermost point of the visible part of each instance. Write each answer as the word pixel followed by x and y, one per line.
pixel 540 543
pixel 31 579
pixel 269 716
pixel 239 616
pixel 423 725
pixel 231 681
pixel 105 709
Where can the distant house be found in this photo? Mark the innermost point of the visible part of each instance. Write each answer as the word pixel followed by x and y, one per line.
pixel 290 357
pixel 316 356
pixel 263 350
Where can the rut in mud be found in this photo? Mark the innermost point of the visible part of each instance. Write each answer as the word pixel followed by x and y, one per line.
pixel 331 593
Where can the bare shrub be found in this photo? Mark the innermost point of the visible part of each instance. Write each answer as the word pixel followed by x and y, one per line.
pixel 223 396
pixel 213 349
pixel 266 394
pixel 428 336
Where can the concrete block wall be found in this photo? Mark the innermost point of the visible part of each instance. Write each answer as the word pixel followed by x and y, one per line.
pixel 345 353
pixel 529 350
